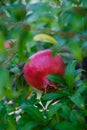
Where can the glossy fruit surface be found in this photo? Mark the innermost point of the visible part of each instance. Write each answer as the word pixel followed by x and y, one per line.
pixel 39 66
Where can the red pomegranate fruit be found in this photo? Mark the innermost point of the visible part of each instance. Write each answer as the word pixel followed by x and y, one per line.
pixel 39 66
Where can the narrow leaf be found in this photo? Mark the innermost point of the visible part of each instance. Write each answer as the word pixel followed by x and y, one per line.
pixel 53 110
pixel 44 38
pixel 32 111
pixel 70 74
pixel 56 78
pixel 55 95
pixel 76 50
pixel 66 126
pixel 78 100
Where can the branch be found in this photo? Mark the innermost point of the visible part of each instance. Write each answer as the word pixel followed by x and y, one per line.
pixel 17 77
pixel 81 10
pixel 63 34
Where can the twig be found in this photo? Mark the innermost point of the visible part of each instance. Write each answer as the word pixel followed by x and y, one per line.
pixel 81 10
pixel 63 34
pixel 14 80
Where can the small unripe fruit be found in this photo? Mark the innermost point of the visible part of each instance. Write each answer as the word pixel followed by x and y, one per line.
pixel 39 66
pixel 7 44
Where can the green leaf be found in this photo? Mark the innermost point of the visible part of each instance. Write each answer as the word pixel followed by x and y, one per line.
pixel 65 111
pixel 17 11
pixel 22 42
pixel 52 110
pixel 78 100
pixel 4 81
pixel 46 128
pixel 1 42
pixel 55 95
pixel 30 125
pixel 11 123
pixel 2 109
pixel 57 47
pixel 70 74
pixel 40 9
pixel 66 126
pixel 32 111
pixel 78 74
pixel 76 50
pixel 56 78
pixel 5 87
pixel 77 118
pixel 82 86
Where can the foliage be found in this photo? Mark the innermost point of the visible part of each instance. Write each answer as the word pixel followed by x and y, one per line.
pixel 63 23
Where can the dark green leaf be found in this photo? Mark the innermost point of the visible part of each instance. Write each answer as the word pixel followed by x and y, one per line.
pixel 56 78
pixel 55 95
pixel 53 109
pixel 82 86
pixel 32 111
pixel 77 118
pixel 30 125
pixel 11 123
pixel 78 100
pixel 66 126
pixel 65 111
pixel 70 74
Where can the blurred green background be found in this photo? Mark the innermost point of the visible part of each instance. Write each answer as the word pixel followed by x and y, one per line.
pixel 63 21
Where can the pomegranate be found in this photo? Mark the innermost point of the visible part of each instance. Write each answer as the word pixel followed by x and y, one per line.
pixel 8 47
pixel 39 66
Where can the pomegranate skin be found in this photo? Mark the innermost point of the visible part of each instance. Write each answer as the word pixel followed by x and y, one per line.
pixel 39 66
